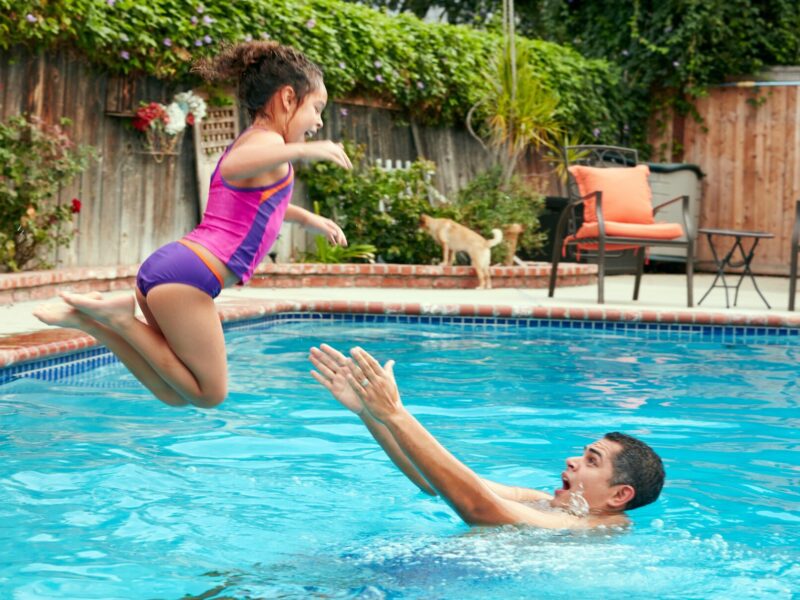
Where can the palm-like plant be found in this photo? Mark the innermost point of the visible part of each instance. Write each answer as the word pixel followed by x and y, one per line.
pixel 517 111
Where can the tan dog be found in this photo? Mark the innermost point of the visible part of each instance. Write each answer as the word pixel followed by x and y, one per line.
pixel 457 238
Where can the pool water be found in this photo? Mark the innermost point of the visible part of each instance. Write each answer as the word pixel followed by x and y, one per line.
pixel 280 492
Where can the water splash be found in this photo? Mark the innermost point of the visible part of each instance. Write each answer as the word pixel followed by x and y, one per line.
pixel 577 504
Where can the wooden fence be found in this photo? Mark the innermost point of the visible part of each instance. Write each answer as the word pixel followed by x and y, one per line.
pixel 133 204
pixel 748 146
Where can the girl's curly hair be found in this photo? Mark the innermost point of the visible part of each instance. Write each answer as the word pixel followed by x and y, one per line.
pixel 261 68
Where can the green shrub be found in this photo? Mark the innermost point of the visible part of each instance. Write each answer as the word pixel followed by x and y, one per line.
pixel 383 208
pixel 325 252
pixel 35 161
pixel 486 204
pixel 377 207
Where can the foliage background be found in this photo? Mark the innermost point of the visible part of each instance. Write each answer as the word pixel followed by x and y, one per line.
pixel 668 51
pixel 432 72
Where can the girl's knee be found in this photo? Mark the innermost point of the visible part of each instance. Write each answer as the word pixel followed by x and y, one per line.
pixel 211 399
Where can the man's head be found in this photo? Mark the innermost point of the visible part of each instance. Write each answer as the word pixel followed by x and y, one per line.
pixel 615 473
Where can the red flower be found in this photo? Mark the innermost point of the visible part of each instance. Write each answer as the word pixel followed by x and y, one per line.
pixel 148 113
pixel 76 205
pixel 190 119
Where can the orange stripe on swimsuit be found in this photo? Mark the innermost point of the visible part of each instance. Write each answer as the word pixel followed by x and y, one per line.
pixel 271 192
pixel 206 262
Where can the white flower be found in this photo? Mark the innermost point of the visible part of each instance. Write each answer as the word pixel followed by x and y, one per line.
pixel 177 119
pixel 191 103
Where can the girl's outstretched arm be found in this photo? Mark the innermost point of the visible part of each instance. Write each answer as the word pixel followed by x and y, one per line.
pixel 264 151
pixel 324 226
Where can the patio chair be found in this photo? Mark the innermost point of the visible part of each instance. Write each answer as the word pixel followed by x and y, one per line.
pixel 795 250
pixel 610 208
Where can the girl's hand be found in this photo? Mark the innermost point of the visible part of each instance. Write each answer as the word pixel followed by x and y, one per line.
pixel 332 367
pixel 327 150
pixel 332 232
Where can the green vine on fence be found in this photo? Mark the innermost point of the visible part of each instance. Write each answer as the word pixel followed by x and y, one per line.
pixel 428 70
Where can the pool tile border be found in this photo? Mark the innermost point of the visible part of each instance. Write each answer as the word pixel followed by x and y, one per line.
pixel 52 348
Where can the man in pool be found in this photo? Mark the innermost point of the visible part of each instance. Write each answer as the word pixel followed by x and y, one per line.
pixel 615 473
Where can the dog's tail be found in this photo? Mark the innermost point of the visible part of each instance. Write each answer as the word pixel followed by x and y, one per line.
pixel 497 237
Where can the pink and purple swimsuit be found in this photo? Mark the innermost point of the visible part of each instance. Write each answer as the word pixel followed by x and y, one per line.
pixel 239 227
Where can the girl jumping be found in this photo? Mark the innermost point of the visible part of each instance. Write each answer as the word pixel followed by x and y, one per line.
pixel 179 353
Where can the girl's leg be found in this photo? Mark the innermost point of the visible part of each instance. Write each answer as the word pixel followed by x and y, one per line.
pixel 65 316
pixel 186 347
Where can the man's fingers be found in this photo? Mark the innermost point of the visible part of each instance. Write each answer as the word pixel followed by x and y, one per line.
pixel 322 367
pixel 333 353
pixel 359 360
pixel 367 362
pixel 356 385
pixel 389 368
pixel 323 380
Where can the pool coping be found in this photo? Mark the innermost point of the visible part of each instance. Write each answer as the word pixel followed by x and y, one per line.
pixel 21 348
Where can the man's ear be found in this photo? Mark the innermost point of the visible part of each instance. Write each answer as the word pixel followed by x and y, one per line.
pixel 623 494
pixel 288 97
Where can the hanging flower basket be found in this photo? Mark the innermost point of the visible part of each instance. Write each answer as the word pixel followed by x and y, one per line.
pixel 162 127
pixel 158 143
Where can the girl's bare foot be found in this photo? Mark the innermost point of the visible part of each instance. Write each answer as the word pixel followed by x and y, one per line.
pixel 63 315
pixel 108 311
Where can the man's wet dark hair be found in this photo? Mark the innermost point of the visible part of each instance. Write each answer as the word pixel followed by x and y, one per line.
pixel 639 466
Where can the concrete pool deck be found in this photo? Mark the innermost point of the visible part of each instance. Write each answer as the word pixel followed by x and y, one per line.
pixel 662 299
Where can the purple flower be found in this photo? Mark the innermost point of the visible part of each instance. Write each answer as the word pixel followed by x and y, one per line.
pixel 343 112
pixel 265 35
pixel 379 78
pixel 378 64
pixel 248 38
pixel 201 9
pixel 207 39
pixel 30 18
pixel 420 85
pixel 125 55
pixel 193 20
pixel 198 42
pixel 208 20
pixel 596 132
pixel 311 23
pixel 167 42
pixel 342 66
pixel 111 3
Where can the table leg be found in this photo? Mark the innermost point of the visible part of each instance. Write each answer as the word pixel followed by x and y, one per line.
pixel 720 264
pixel 747 258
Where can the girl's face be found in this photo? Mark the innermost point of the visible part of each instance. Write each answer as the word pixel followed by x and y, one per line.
pixel 307 119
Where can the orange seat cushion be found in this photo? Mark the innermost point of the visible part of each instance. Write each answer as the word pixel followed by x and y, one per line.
pixel 626 193
pixel 656 231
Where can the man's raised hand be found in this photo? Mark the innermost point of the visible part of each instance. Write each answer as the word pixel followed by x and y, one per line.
pixel 375 385
pixel 332 373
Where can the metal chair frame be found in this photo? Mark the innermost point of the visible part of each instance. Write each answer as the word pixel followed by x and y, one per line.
pixel 795 250
pixel 572 217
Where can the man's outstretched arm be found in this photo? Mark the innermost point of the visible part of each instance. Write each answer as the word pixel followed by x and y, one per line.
pixel 332 374
pixel 471 497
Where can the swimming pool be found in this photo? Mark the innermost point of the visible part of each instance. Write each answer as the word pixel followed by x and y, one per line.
pixel 106 493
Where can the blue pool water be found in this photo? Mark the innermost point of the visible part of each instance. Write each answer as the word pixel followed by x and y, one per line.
pixel 106 493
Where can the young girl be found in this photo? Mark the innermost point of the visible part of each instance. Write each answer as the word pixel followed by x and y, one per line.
pixel 179 353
